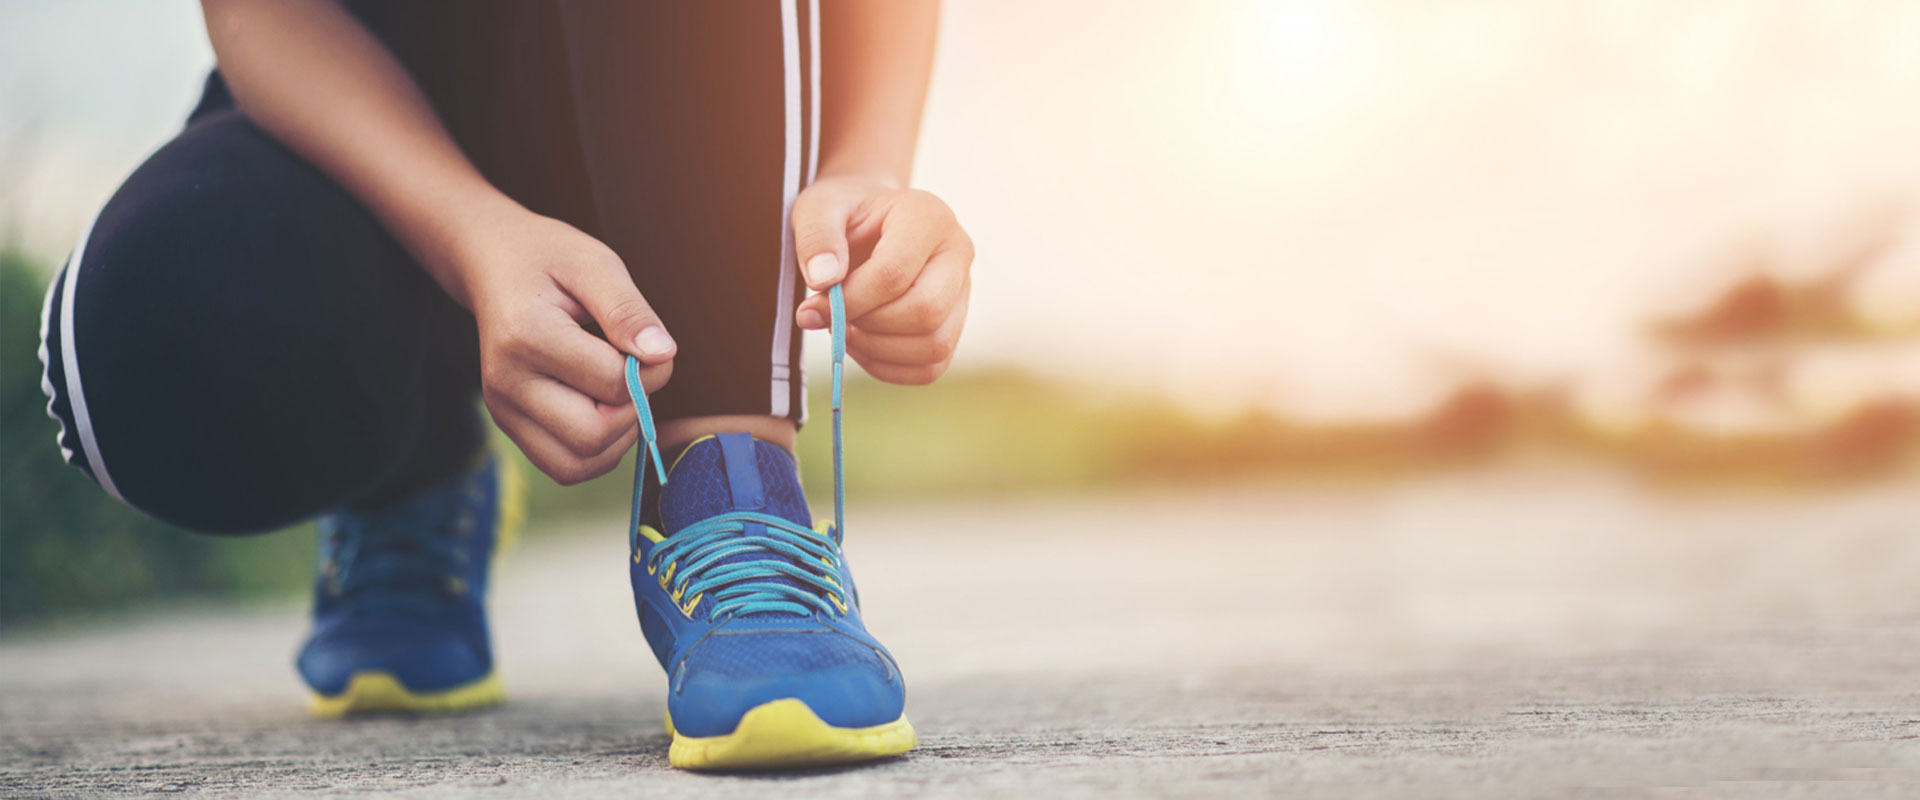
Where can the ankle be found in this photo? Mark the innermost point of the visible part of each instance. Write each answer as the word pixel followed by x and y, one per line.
pixel 773 430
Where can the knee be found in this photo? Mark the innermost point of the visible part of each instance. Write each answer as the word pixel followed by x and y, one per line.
pixel 101 433
pixel 235 345
pixel 142 335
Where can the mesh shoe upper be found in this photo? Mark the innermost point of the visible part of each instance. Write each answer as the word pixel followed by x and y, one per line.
pixel 401 588
pixel 723 664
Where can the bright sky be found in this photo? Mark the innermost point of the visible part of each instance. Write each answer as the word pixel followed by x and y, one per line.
pixel 1316 203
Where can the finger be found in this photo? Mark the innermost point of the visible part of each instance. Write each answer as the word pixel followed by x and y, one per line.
pixel 585 427
pixel 549 455
pixel 630 324
pixel 931 348
pixel 584 362
pixel 909 236
pixel 820 236
pixel 927 306
pixel 903 374
pixel 651 378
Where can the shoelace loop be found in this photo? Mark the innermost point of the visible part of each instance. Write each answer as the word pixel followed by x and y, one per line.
pixel 754 547
pixel 782 548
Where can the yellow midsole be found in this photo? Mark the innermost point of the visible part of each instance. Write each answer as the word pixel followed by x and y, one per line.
pixel 376 691
pixel 786 733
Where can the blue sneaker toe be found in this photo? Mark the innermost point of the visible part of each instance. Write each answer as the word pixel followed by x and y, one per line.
pixel 846 682
pixel 423 656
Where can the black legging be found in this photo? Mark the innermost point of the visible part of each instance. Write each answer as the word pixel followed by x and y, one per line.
pixel 237 344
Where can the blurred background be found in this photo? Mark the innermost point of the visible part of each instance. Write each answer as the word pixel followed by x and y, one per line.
pixel 1279 243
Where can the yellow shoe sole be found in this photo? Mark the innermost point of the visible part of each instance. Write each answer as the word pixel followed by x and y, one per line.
pixel 375 692
pixel 786 733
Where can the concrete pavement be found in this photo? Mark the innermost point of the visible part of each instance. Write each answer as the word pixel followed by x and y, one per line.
pixel 1497 635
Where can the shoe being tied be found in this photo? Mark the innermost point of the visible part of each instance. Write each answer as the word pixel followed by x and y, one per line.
pixel 752 612
pixel 399 609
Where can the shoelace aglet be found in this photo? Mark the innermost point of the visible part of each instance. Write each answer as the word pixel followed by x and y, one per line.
pixel 654 449
pixel 645 414
pixel 837 304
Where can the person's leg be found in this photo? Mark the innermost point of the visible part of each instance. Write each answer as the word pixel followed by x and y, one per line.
pixel 235 345
pixel 697 123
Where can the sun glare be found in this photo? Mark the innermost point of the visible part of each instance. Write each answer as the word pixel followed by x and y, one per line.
pixel 1301 38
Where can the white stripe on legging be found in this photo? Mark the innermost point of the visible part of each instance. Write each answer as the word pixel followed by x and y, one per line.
pixel 813 128
pixel 46 369
pixel 75 397
pixel 813 88
pixel 783 314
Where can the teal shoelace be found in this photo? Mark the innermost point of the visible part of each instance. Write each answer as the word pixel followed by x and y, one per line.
pixel 715 565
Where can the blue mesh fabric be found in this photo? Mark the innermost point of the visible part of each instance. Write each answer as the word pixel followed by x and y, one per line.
pixel 697 489
pixel 389 606
pixel 762 655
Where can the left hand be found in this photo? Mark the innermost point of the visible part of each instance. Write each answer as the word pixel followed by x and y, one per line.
pixel 907 298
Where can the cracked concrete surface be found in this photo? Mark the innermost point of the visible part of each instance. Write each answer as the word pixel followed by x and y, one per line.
pixel 1548 634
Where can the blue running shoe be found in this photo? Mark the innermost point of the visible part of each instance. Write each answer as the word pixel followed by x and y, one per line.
pixel 751 610
pixel 399 616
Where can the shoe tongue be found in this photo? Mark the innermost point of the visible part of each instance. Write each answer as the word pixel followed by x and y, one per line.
pixel 732 472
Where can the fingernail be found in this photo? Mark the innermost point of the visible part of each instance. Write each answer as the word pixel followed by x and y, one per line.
pixel 811 319
pixel 654 341
pixel 823 268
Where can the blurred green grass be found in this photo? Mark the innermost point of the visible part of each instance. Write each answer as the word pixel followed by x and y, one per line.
pixel 976 433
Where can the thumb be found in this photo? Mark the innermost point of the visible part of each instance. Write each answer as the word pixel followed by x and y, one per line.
pixel 820 237
pixel 631 326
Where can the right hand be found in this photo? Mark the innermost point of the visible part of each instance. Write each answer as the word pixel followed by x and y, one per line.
pixel 555 388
